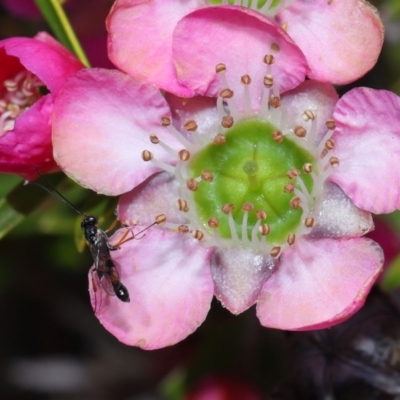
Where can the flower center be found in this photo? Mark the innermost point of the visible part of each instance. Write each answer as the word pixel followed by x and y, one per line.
pixel 18 95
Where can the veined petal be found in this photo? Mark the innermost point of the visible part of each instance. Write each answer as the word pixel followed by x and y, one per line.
pixel 140 39
pixel 341 39
pixel 239 275
pixel 101 125
pixel 367 143
pixel 319 283
pixel 238 38
pixel 170 291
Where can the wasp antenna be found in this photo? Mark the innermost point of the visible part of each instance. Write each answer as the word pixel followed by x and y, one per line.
pixel 54 192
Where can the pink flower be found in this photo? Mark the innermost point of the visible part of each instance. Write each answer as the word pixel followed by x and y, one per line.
pixel 266 195
pixel 29 69
pixel 340 39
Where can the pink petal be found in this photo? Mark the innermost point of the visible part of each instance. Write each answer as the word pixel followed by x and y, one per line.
pixel 367 143
pixel 140 39
pixel 341 39
pixel 319 283
pixel 44 57
pixel 170 287
pixel 239 38
pixel 239 275
pixel 318 97
pixel 101 125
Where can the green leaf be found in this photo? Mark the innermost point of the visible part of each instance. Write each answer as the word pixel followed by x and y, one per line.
pixel 61 27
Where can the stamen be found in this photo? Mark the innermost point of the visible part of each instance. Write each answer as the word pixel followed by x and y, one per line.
pixel 166 121
pixel 295 202
pixel 213 222
pixel 291 239
pixel 192 184
pixel 264 229
pixel 219 139
pixel 197 234
pixel 207 176
pixel 226 93
pixel 246 208
pixel 277 136
pixel 148 156
pixel 246 80
pixel 331 124
pixel 289 187
pixel 293 173
pixel 300 132
pixel 275 251
pixel 227 209
pixel 184 155
pixel 155 140
pixel 309 222
pixel 307 168
pixel 182 205
pixel 227 121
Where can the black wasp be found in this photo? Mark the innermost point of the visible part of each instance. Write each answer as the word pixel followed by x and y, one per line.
pixel 100 247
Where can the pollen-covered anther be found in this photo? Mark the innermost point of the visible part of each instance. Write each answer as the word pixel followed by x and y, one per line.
pixel 207 176
pixel 184 155
pixel 226 93
pixel 295 202
pixel 220 68
pixel 293 173
pixel 197 234
pixel 190 125
pixel 277 136
pixel 192 184
pixel 307 168
pixel 182 205
pixel 284 26
pixel 245 79
pixel 165 121
pixel 275 101
pixel 329 144
pixel 309 222
pixel 291 239
pixel 147 155
pixel 160 219
pixel 289 187
pixel 213 222
pixel 334 161
pixel 183 229
pixel 300 132
pixel 275 251
pixel 264 229
pixel 227 121
pixel 269 59
pixel 247 207
pixel 330 124
pixel 154 139
pixel 307 115
pixel 219 139
pixel 261 214
pixel 227 208
pixel 268 81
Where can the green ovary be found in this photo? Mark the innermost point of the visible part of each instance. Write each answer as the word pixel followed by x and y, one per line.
pixel 250 167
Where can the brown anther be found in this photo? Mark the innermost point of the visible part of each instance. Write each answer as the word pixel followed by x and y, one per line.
pixel 295 203
pixel 182 205
pixel 165 121
pixel 213 222
pixel 147 155
pixel 268 81
pixel 299 131
pixel 247 207
pixel 227 121
pixel 154 139
pixel 245 79
pixel 307 115
pixel 277 136
pixel 261 214
pixel 289 187
pixel 275 47
pixel 334 161
pixel 274 101
pixel 183 229
pixel 190 125
pixel 227 208
pixel 184 155
pixel 219 139
pixel 197 234
pixel 226 93
pixel 293 173
pixel 275 251
pixel 329 144
pixel 307 168
pixel 160 219
pixel 192 184
pixel 184 101
pixel 330 124
pixel 264 229
pixel 220 68
pixel 269 59
pixel 291 239
pixel 309 222
pixel 207 176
